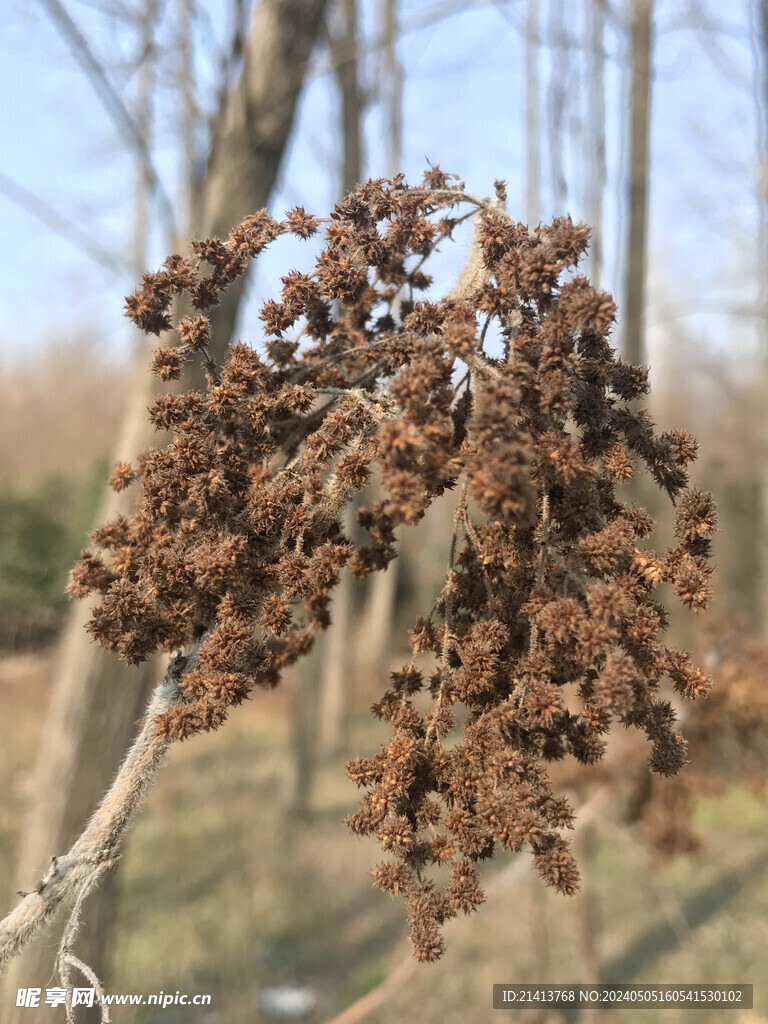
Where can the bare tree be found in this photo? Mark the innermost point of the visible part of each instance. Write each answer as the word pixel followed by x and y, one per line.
pixel 344 53
pixel 329 662
pixel 532 126
pixel 597 173
pixel 760 36
pixel 336 668
pixel 96 699
pixel 143 121
pixel 189 114
pixel 637 240
pixel 375 626
pixel 392 81
pixel 557 103
pixel 124 121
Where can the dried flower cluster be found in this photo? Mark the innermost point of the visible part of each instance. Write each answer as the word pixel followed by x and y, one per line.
pixel 547 628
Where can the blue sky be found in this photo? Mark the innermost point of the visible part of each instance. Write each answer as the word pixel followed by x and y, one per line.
pixel 463 109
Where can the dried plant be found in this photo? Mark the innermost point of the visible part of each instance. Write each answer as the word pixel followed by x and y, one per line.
pixel 547 628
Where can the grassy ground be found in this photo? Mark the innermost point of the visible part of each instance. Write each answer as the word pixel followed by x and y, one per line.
pixel 221 893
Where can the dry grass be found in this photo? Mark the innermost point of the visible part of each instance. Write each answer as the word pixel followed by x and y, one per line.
pixel 23 693
pixel 60 411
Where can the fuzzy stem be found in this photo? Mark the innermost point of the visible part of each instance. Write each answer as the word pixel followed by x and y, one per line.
pixel 448 613
pixel 96 850
pixel 543 537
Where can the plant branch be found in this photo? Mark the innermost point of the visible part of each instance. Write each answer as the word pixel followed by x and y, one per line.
pixel 110 99
pixel 70 877
pixel 65 228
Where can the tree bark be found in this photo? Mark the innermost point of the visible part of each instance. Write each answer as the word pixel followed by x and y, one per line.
pixel 143 121
pixel 761 111
pixel 334 654
pixel 637 241
pixel 375 627
pixel 532 147
pixel 303 740
pixel 96 699
pixel 392 93
pixel 557 103
pixel 333 649
pixel 597 172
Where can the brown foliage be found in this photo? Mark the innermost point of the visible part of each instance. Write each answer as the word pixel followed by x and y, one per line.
pixel 237 535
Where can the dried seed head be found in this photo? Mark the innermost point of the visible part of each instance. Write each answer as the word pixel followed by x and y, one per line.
pixel 237 533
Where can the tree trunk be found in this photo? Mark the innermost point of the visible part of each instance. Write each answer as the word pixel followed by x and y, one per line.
pixel 375 627
pixel 188 114
pixel 333 649
pixel 143 121
pixel 532 150
pixel 589 924
pixel 557 104
pixel 333 653
pixel 334 678
pixel 348 78
pixel 303 740
pixel 634 291
pixel 374 633
pixel 761 111
pixel 392 93
pixel 253 129
pixel 95 698
pixel 597 170
pixel 95 701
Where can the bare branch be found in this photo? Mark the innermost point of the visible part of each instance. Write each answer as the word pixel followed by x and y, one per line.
pixel 109 98
pixel 392 76
pixel 57 222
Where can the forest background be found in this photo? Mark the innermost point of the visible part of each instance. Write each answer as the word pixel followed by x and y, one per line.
pixel 130 126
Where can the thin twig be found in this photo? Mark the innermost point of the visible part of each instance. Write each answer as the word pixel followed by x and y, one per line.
pixel 110 99
pixel 448 616
pixel 475 542
pixel 543 536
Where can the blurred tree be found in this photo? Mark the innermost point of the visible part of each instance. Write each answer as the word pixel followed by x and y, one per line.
pixel 760 18
pixel 321 686
pixel 391 85
pixel 597 173
pixel 532 127
pixel 335 648
pixel 96 699
pixel 143 120
pixel 637 238
pixel 560 87
pixel 375 627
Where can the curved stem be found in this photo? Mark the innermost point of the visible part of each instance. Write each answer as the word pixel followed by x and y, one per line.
pixel 97 848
